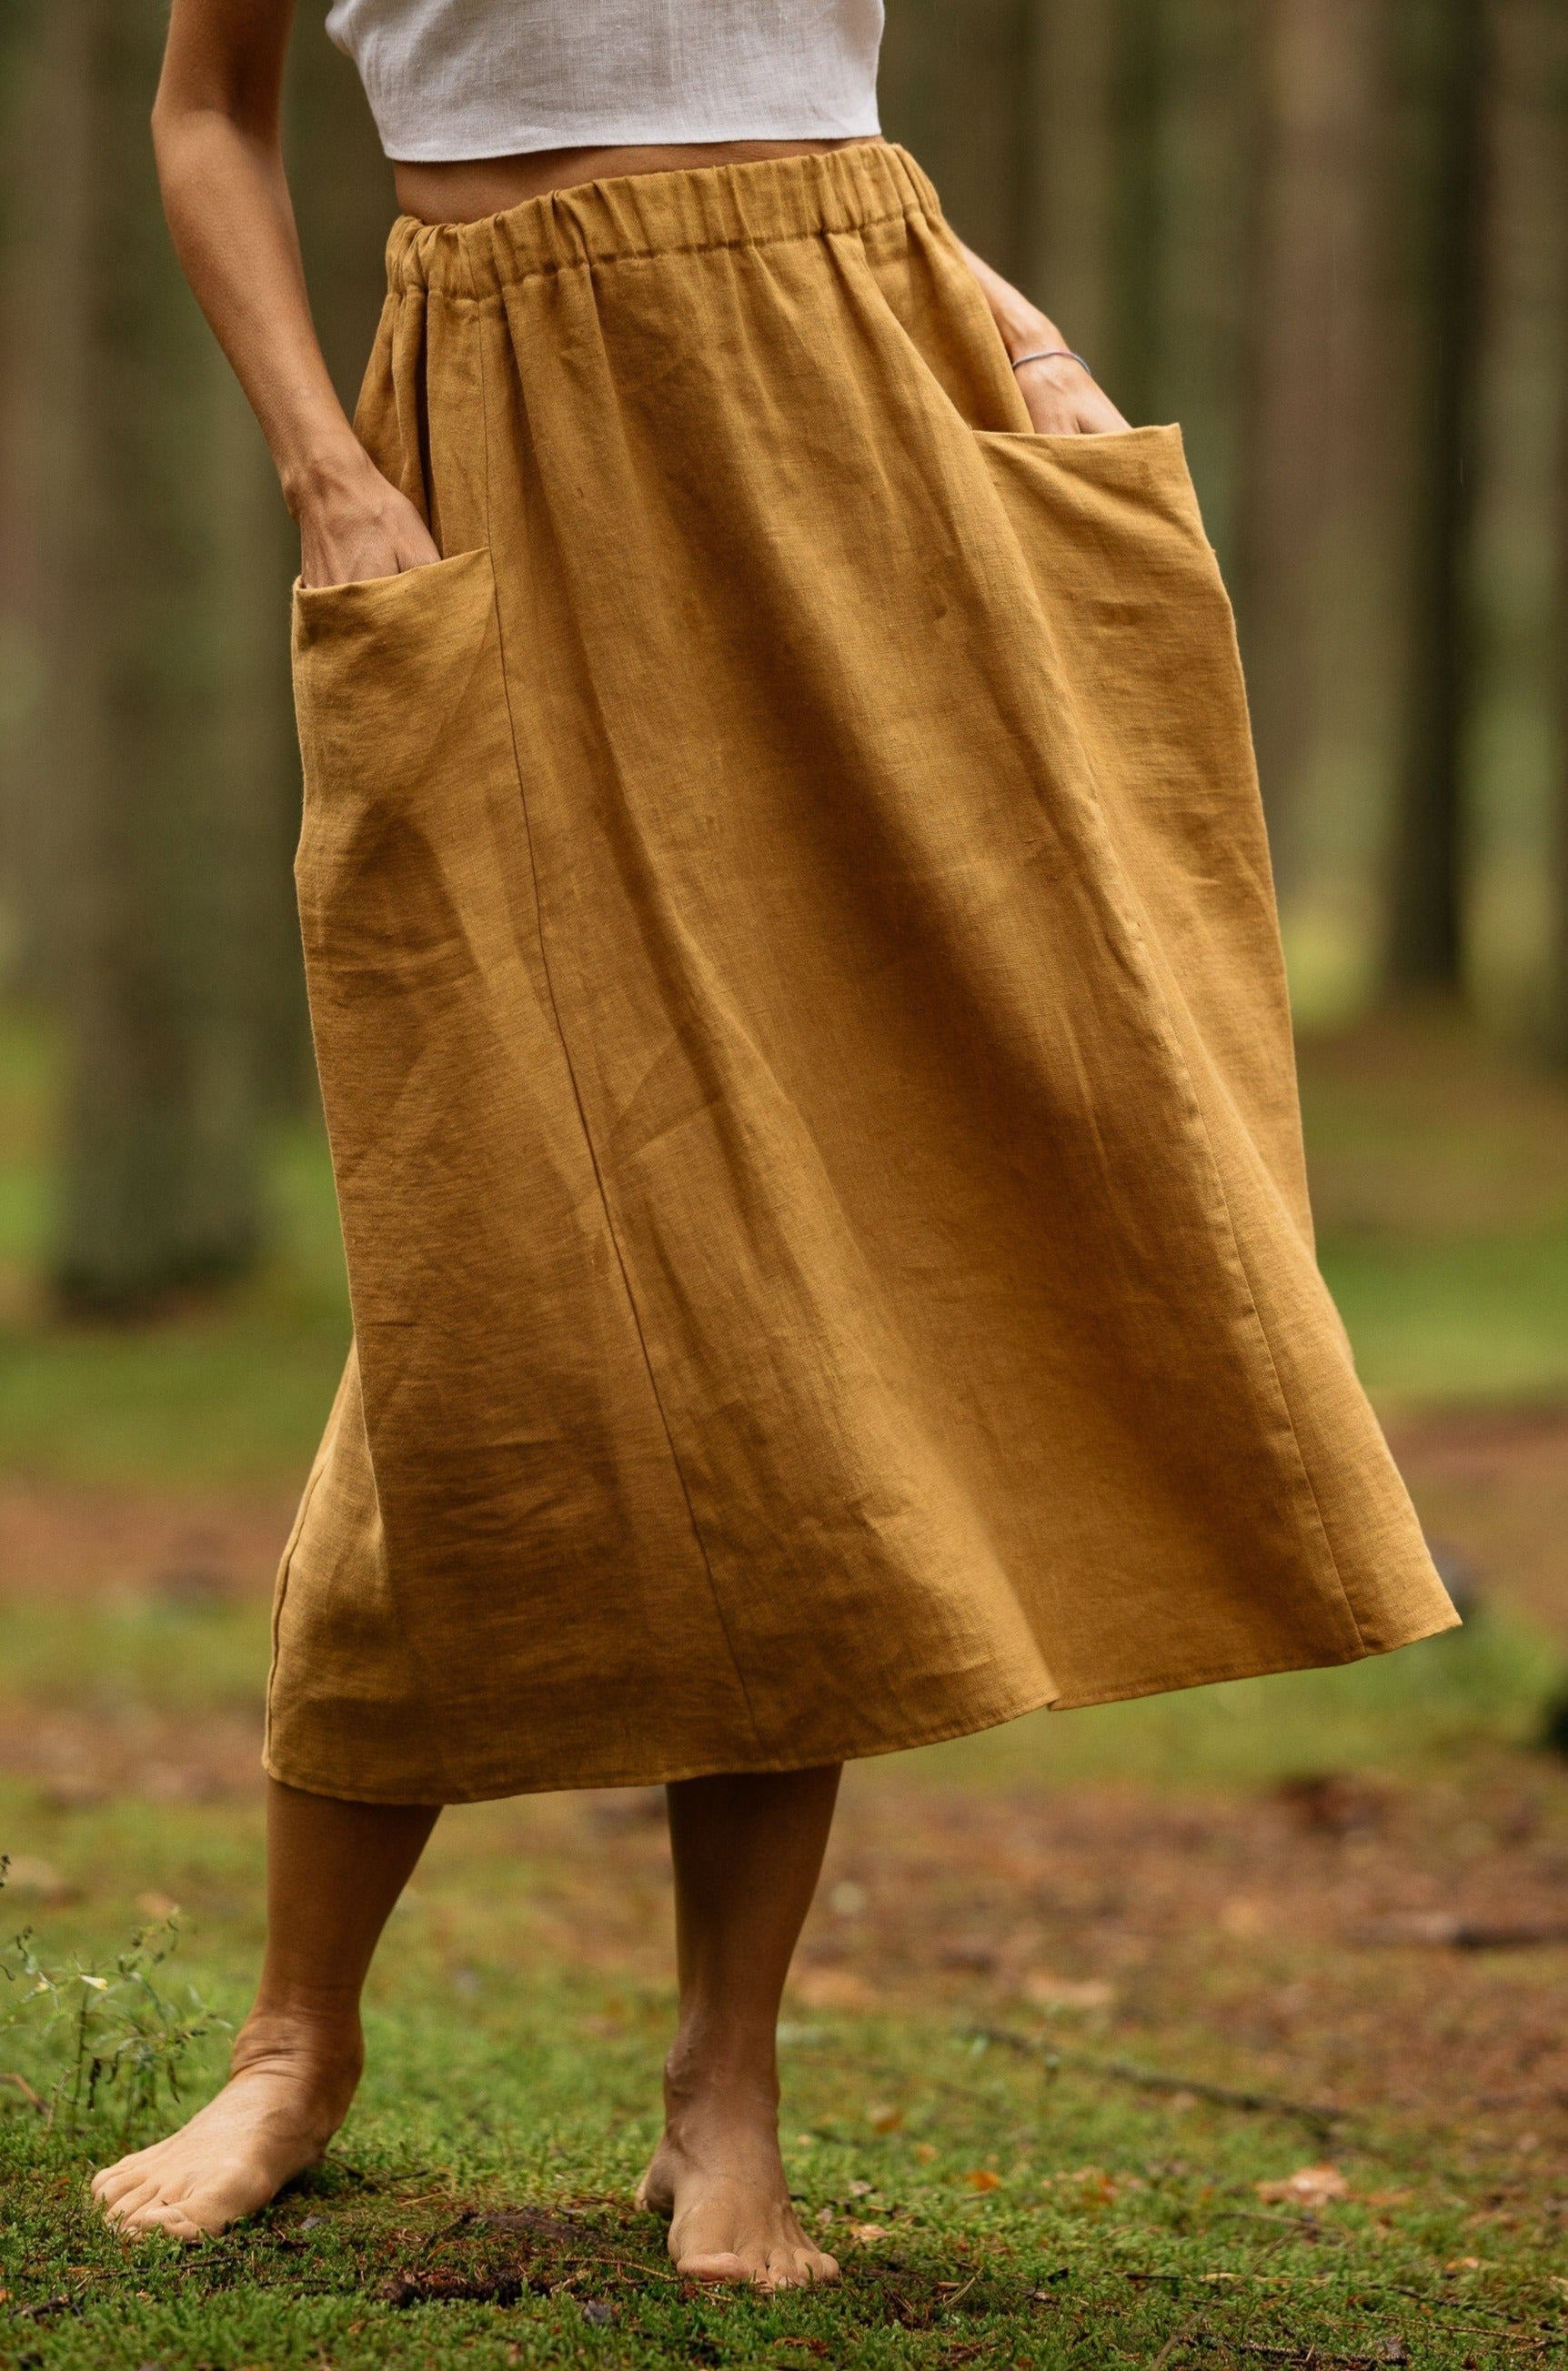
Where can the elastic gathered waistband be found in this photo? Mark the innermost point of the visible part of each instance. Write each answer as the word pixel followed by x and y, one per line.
pixel 640 215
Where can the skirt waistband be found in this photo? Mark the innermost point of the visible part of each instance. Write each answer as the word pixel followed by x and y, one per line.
pixel 642 216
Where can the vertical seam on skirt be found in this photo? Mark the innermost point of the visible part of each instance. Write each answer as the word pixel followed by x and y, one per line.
pixel 578 1098
pixel 1274 1369
pixel 1184 1068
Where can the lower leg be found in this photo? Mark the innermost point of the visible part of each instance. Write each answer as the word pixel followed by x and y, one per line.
pixel 748 1853
pixel 333 1872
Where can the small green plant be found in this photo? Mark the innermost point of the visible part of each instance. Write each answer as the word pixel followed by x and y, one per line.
pixel 111 2026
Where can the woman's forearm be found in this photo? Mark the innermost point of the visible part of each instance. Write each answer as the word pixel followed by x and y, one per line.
pixel 215 131
pixel 1023 326
pixel 229 214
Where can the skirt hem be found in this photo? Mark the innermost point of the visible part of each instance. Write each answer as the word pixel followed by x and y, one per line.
pixel 972 1724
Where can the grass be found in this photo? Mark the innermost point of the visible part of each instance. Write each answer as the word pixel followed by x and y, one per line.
pixel 1440 1181
pixel 988 2207
pixel 1022 2203
pixel 219 1394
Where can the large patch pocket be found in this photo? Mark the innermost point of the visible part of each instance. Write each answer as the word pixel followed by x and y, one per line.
pixel 1141 631
pixel 416 912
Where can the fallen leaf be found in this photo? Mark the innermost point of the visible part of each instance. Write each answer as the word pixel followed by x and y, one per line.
pixel 1447 1930
pixel 1309 2185
pixel 970 1951
pixel 1091 2179
pixel 866 2231
pixel 1061 1993
pixel 861 2188
pixel 157 1906
pixel 39 1880
pixel 832 1988
pixel 531 2220
pixel 925 2153
pixel 1463 2264
pixel 884 2118
pixel 983 2179
pixel 1332 1804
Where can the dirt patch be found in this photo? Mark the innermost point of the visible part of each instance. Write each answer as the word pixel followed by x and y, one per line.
pixel 58 1543
pixel 79 1758
pixel 1301 1935
pixel 1309 1941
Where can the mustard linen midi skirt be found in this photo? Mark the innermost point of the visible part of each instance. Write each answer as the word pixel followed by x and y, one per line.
pixel 803 1036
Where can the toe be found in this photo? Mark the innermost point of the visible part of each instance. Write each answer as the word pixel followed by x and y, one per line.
pixel 167 2215
pixel 113 2180
pixel 721 2264
pixel 132 2185
pixel 800 2268
pixel 130 2202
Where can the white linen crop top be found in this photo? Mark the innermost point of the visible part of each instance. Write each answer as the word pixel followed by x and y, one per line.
pixel 448 80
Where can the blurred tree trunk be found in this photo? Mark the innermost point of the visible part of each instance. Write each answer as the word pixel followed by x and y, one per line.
pixel 38 105
pixel 1553 152
pixel 1317 511
pixel 1202 139
pixel 954 86
pixel 164 781
pixel 1136 212
pixel 1523 343
pixel 1441 65
pixel 1071 179
pixel 1137 99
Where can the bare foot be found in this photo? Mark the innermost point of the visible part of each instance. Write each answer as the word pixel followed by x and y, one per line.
pixel 717 2176
pixel 272 2120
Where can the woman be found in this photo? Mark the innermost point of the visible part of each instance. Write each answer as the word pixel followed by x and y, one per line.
pixel 800 1020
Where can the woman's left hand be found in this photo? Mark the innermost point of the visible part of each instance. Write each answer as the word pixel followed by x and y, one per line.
pixel 1063 400
pixel 1059 390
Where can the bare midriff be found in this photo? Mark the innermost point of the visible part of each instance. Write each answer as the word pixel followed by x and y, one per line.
pixel 468 190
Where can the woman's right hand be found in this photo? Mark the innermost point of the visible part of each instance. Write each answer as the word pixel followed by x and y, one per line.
pixel 354 524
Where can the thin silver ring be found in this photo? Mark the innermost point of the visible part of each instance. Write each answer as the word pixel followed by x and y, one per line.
pixel 1051 353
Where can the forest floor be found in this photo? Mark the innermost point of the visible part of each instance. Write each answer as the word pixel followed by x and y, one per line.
pixel 1221 2030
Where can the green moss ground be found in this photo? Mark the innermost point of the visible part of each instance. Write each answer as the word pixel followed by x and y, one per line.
pixel 1008 2212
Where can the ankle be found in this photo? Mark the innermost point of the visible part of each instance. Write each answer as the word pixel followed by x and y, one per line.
pixel 324 2047
pixel 722 2078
